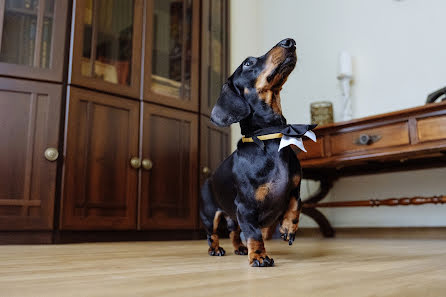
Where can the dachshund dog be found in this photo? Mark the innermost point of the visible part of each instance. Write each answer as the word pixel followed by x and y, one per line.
pixel 258 185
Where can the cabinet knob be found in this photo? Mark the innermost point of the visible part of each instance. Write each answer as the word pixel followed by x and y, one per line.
pixel 135 162
pixel 206 170
pixel 51 154
pixel 147 164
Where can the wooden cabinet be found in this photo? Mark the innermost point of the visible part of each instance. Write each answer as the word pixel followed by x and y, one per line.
pixel 132 154
pixel 107 46
pixel 169 187
pixel 214 51
pixel 29 125
pixel 32 38
pixel 100 186
pixel 215 146
pixel 172 53
pixel 215 142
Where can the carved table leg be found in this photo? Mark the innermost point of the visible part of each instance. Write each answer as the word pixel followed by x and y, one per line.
pixel 324 225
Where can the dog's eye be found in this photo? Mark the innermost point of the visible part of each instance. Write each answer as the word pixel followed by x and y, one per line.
pixel 247 63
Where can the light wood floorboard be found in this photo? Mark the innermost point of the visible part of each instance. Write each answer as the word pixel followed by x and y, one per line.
pixel 310 267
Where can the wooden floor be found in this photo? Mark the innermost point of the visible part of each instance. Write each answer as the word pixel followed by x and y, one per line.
pixel 311 267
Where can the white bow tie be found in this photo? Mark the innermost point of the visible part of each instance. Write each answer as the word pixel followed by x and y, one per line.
pixel 297 141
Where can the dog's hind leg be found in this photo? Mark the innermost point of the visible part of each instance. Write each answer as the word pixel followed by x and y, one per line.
pixel 210 216
pixel 233 227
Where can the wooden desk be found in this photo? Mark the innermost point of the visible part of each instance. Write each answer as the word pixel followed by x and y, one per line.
pixel 408 139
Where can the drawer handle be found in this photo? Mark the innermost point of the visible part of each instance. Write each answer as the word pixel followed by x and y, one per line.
pixel 365 139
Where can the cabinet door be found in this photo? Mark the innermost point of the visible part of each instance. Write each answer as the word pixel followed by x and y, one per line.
pixel 100 186
pixel 32 38
pixel 169 188
pixel 107 46
pixel 29 125
pixel 172 53
pixel 214 52
pixel 215 145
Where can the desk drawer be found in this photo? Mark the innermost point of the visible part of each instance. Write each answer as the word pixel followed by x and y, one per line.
pixel 367 139
pixel 314 149
pixel 431 129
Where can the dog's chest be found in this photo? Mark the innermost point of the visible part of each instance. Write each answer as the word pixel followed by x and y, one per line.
pixel 277 182
pixel 276 196
pixel 271 184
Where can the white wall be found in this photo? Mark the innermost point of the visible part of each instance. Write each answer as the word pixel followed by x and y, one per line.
pixel 246 39
pixel 399 56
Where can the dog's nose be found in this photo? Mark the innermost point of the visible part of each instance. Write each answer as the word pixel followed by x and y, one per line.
pixel 287 43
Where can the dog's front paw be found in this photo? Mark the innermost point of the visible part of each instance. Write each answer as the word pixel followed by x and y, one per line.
pixel 218 251
pixel 242 250
pixel 260 260
pixel 288 231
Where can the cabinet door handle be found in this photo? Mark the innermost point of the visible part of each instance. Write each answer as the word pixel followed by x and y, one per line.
pixel 135 162
pixel 147 164
pixel 206 170
pixel 51 154
pixel 365 139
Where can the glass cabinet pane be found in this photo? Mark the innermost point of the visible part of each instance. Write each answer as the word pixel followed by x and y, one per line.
pixel 27 32
pixel 172 46
pixel 216 50
pixel 108 40
pixel 46 43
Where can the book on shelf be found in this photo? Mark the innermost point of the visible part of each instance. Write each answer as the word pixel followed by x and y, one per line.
pixel 46 44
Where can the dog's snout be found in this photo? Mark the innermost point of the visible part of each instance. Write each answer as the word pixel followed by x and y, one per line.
pixel 287 43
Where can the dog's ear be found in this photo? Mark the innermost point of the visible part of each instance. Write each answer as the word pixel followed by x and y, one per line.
pixel 231 107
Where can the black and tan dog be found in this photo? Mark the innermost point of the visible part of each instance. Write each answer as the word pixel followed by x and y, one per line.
pixel 258 185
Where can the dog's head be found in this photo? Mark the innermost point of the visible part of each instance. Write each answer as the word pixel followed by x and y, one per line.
pixel 260 78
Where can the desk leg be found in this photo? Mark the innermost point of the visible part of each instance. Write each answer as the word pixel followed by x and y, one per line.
pixel 324 225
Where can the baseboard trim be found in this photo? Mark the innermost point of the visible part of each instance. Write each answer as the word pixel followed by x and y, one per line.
pixel 380 232
pixel 26 237
pixel 111 236
pixel 47 237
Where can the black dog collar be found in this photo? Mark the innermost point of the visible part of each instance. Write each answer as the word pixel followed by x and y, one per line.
pixel 290 134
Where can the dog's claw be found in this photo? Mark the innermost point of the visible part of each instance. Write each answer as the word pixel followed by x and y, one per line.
pixel 242 250
pixel 284 236
pixel 292 237
pixel 217 252
pixel 266 262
